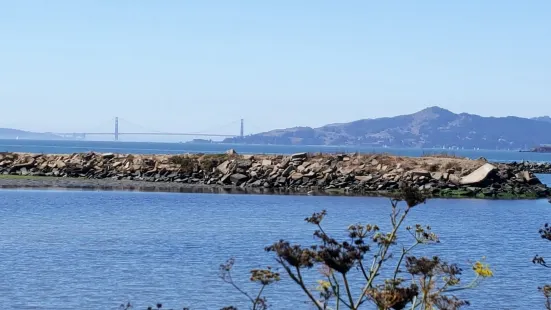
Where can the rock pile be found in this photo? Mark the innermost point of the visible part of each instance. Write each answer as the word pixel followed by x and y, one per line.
pixel 534 167
pixel 362 174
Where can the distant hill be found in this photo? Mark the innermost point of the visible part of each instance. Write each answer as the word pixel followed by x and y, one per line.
pixel 543 119
pixel 9 133
pixel 431 127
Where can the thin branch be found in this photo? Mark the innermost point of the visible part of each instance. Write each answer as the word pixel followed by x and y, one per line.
pixel 258 296
pixel 347 287
pixel 337 292
pixel 383 254
pixel 230 281
pixel 300 282
pixel 363 270
pixel 404 253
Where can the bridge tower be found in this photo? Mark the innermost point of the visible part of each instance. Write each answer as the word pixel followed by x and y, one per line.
pixel 242 129
pixel 116 129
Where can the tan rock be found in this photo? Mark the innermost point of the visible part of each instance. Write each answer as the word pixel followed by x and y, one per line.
pixel 479 175
pixel 364 178
pixel 224 167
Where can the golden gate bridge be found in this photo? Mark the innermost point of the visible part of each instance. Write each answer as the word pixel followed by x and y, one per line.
pixel 116 133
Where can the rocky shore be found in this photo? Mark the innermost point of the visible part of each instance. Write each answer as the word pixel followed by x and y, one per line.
pixel 353 174
pixel 533 167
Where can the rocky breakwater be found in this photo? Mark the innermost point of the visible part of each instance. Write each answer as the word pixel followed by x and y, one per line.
pixel 352 174
pixel 534 167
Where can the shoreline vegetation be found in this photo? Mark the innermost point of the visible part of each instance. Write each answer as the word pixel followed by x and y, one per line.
pixel 437 175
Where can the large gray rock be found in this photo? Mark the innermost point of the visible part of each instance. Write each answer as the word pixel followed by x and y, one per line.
pixel 479 176
pixel 287 171
pixel 108 155
pixel 436 175
pixel 420 173
pixel 298 156
pixel 244 164
pixel 224 167
pixel 238 178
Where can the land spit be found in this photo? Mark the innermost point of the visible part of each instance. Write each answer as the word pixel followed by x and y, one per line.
pixel 352 174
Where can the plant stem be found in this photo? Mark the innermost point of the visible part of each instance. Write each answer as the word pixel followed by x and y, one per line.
pixel 404 253
pixel 258 296
pixel 383 255
pixel 238 289
pixel 336 289
pixel 347 287
pixel 305 289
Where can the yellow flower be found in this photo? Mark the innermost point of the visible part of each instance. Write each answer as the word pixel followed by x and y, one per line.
pixel 482 270
pixel 323 285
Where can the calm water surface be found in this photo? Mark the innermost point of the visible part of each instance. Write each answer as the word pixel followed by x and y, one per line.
pixel 94 250
pixel 68 147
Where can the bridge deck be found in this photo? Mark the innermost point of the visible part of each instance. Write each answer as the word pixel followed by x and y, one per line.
pixel 146 134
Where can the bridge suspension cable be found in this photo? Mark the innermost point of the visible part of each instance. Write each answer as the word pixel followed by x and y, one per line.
pixel 142 130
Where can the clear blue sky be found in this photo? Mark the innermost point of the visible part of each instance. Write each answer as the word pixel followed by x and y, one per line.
pixel 196 65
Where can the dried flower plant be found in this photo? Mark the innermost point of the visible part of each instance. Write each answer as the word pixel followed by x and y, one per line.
pixel 430 280
pixel 264 277
pixel 545 233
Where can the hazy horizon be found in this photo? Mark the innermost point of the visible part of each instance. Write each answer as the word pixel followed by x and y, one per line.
pixel 200 67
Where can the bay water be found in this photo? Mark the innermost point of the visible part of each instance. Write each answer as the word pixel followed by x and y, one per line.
pixel 75 146
pixel 96 250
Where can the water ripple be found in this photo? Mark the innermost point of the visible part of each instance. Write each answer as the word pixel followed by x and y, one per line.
pixel 68 250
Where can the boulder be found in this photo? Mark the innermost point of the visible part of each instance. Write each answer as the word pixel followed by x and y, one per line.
pixel 479 176
pixel 529 178
pixel 266 162
pixel 224 167
pixel 23 165
pixel 238 178
pixel 257 183
pixel 420 173
pixel 364 178
pixel 436 175
pixel 244 164
pixel 453 179
pixel 225 179
pixel 345 170
pixel 108 155
pixel 231 152
pixel 298 156
pixel 287 171
pixel 315 167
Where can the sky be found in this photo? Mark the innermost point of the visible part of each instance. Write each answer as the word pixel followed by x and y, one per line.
pixel 201 66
